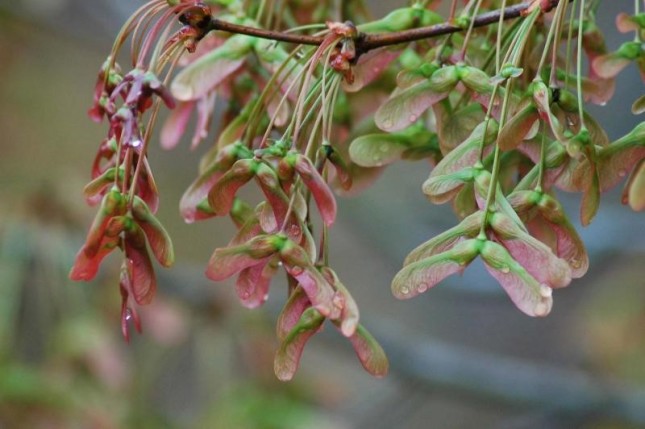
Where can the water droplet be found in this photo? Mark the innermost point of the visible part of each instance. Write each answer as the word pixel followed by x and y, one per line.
pixel 542 309
pixel 387 124
pixel 405 290
pixel 279 263
pixel 128 314
pixel 246 294
pixel 296 270
pixel 422 287
pixel 545 291
pixel 505 269
pixel 136 143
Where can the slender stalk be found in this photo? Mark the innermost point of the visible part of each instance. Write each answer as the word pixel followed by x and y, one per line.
pixel 368 42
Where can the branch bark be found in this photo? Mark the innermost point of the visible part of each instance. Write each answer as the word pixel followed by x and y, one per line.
pixel 366 42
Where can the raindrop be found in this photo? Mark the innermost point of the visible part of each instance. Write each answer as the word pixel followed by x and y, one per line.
pixel 405 290
pixel 387 124
pixel 422 287
pixel 136 143
pixel 505 269
pixel 296 270
pixel 545 291
pixel 128 314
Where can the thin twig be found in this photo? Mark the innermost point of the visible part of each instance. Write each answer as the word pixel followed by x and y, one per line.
pixel 367 42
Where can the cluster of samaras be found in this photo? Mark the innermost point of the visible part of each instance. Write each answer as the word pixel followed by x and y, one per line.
pixel 502 126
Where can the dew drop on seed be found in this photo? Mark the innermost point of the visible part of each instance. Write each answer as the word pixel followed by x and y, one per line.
pixel 545 291
pixel 405 290
pixel 296 270
pixel 422 287
pixel 542 309
pixel 136 143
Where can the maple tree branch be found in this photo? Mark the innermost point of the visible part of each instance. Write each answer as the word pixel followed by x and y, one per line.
pixel 366 42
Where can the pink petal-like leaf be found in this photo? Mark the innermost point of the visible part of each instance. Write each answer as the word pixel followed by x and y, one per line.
pixel 200 77
pixel 608 66
pixel 222 193
pixel 369 352
pixel 456 126
pixel 176 124
pixel 325 200
pixel 514 131
pixel 634 193
pixel 144 282
pixel 252 284
pixel 528 295
pixel 113 204
pixel 268 180
pixel 466 153
pixel 468 228
pixel 441 189
pixel 370 66
pixel 536 257
pixel 321 294
pixel 287 358
pixel 419 276
pixel 349 310
pixel 297 303
pixel 157 236
pixel 405 107
pixel 376 150
pixel 85 267
pixel 227 261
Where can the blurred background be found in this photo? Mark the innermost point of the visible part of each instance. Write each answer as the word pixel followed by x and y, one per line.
pixel 461 355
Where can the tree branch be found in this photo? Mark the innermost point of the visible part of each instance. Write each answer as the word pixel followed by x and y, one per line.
pixel 366 42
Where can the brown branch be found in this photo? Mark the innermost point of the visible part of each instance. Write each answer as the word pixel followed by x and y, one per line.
pixel 367 42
